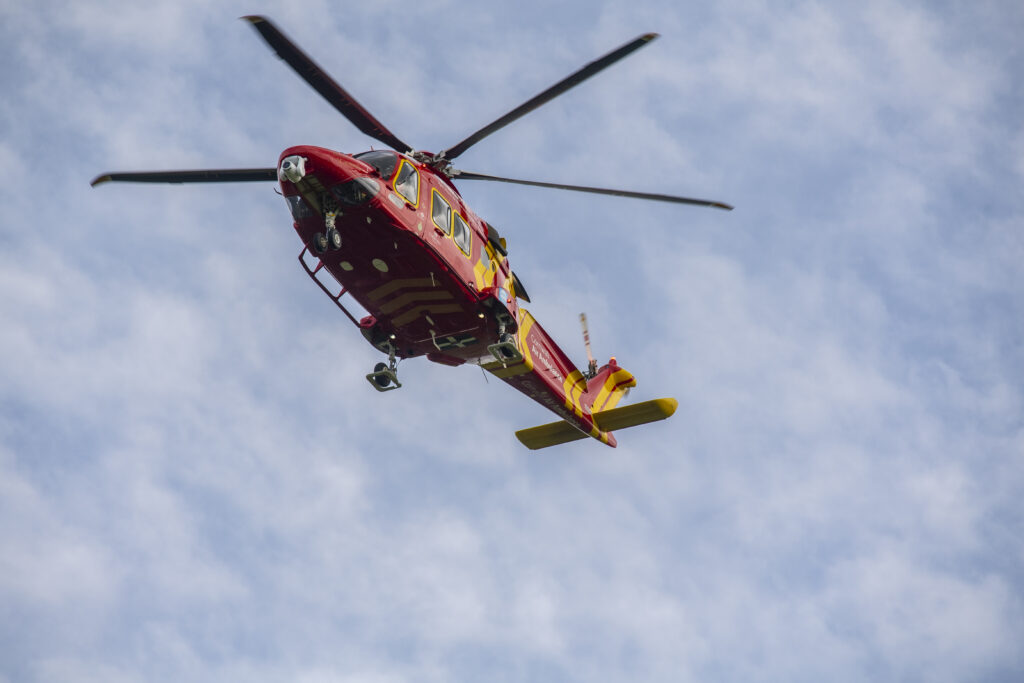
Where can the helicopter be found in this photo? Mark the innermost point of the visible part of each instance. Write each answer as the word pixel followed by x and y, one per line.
pixel 390 229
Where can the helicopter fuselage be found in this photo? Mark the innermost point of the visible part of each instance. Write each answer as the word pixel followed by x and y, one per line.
pixel 412 254
pixel 429 273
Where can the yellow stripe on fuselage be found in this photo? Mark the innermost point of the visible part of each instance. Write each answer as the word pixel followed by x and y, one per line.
pixel 511 371
pixel 574 386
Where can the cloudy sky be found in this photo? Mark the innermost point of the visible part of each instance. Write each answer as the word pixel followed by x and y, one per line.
pixel 197 484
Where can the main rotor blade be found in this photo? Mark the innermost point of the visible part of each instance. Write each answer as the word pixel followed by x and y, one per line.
pixel 313 74
pixel 549 94
pixel 467 175
pixel 227 175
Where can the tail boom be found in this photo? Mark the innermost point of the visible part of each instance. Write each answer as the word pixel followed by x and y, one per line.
pixel 586 407
pixel 545 374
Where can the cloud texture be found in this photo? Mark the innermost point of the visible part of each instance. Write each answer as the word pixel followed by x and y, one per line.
pixel 196 483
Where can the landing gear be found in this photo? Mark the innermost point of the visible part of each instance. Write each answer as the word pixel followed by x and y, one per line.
pixel 379 376
pixel 332 239
pixel 505 351
pixel 385 375
pixel 320 243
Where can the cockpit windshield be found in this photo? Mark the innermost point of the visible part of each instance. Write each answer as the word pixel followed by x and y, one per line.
pixel 382 160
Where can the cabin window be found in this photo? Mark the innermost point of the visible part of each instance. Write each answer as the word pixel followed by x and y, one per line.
pixel 441 211
pixel 381 160
pixel 407 182
pixel 461 234
pixel 486 256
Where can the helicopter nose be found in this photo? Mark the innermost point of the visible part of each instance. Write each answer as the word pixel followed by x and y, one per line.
pixel 293 168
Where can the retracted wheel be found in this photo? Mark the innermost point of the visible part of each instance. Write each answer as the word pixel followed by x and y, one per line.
pixel 319 243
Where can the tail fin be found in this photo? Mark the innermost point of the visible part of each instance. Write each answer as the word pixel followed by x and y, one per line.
pixel 609 386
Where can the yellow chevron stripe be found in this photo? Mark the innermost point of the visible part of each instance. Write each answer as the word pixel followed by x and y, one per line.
pixel 620 381
pixel 524 331
pixel 574 386
pixel 409 297
pixel 478 275
pixel 608 392
pixel 484 275
pixel 395 285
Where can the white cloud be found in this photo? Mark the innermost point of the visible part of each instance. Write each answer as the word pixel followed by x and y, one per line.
pixel 915 610
pixel 197 482
pixel 46 560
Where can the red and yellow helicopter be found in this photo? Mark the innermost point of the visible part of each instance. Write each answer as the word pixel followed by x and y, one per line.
pixel 393 232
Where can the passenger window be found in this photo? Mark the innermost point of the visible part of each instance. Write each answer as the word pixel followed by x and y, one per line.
pixel 441 212
pixel 407 183
pixel 487 254
pixel 462 237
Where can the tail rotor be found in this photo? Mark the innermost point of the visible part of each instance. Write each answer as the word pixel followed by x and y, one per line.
pixel 591 362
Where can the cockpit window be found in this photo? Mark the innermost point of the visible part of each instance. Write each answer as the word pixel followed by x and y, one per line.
pixel 407 182
pixel 385 162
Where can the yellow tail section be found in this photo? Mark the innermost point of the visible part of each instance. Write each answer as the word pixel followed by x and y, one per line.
pixel 550 434
pixel 608 387
pixel 635 414
pixel 554 433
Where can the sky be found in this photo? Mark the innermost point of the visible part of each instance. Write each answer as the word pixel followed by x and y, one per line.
pixel 197 483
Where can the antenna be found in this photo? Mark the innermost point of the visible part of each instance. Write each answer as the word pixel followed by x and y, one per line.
pixel 591 363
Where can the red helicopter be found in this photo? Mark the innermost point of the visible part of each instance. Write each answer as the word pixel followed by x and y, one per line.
pixel 390 229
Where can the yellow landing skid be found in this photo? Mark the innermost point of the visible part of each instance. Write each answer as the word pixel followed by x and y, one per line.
pixel 554 433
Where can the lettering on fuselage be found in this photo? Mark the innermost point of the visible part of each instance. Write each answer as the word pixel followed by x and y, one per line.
pixel 541 354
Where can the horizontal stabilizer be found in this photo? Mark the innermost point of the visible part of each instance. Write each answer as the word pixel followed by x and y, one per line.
pixel 554 433
pixel 635 414
pixel 550 434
